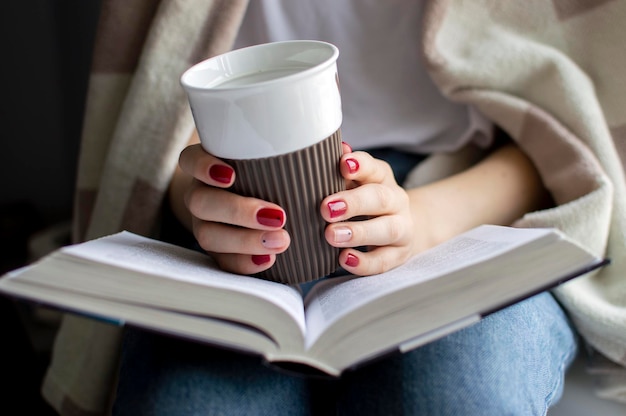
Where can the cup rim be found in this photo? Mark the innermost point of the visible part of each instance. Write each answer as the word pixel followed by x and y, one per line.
pixel 319 67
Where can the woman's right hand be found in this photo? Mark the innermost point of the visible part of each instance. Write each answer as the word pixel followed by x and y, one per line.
pixel 242 234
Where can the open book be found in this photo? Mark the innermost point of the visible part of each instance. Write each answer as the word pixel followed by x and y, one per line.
pixel 341 323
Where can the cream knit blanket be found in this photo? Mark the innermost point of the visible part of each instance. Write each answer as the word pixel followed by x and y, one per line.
pixel 550 73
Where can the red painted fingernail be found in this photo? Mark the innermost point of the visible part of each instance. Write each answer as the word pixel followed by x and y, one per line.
pixel 337 208
pixel 270 217
pixel 352 260
pixel 353 165
pixel 346 144
pixel 260 259
pixel 221 173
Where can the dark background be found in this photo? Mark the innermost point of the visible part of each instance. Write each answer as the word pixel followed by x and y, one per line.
pixel 46 53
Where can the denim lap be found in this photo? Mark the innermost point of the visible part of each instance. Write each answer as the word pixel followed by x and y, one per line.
pixel 510 363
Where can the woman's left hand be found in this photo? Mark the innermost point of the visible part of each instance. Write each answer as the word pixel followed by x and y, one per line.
pixel 387 230
pixel 499 189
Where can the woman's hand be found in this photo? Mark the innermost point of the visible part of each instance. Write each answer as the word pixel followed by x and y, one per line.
pixel 242 234
pixel 499 189
pixel 245 234
pixel 388 230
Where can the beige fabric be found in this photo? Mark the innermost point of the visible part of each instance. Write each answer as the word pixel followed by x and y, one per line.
pixel 549 73
pixel 137 120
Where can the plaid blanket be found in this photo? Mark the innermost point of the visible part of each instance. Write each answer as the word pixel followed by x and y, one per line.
pixel 549 73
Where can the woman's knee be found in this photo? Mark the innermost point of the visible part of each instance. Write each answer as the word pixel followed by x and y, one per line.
pixel 511 363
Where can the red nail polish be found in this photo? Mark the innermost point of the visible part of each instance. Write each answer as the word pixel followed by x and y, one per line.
pixel 352 260
pixel 270 217
pixel 346 144
pixel 337 208
pixel 260 259
pixel 353 165
pixel 221 173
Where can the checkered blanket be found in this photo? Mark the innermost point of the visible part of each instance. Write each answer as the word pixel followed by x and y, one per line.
pixel 550 73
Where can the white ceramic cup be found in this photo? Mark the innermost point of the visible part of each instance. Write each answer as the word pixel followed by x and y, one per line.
pixel 273 111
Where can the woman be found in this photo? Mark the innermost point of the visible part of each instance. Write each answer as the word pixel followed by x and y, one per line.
pixel 512 363
pixel 528 69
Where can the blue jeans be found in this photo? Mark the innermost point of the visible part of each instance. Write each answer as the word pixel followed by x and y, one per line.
pixel 511 363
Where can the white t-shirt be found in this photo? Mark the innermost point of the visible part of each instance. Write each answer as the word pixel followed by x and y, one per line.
pixel 388 99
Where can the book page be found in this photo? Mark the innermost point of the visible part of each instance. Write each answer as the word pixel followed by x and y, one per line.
pixel 331 299
pixel 134 252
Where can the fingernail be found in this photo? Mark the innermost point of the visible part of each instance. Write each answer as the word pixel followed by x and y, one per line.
pixel 353 165
pixel 270 217
pixel 221 173
pixel 272 240
pixel 342 234
pixel 337 208
pixel 346 144
pixel 260 259
pixel 352 260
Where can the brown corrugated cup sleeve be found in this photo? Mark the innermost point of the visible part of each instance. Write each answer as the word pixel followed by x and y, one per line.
pixel 298 182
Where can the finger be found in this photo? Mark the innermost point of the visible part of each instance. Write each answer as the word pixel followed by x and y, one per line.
pixel 205 167
pixel 219 205
pixel 222 238
pixel 378 260
pixel 365 200
pixel 380 231
pixel 243 263
pixel 362 168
